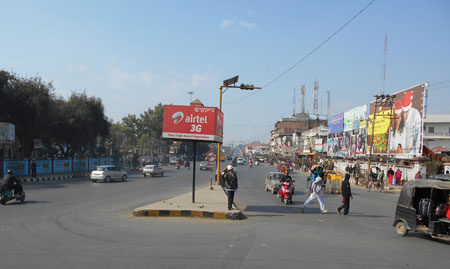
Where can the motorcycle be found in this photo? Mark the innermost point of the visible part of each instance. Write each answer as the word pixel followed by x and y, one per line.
pixel 286 191
pixel 256 163
pixel 8 195
pixel 250 164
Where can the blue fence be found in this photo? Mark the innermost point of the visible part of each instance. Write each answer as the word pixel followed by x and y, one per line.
pixel 19 168
pixel 43 167
pixel 62 166
pixel 23 168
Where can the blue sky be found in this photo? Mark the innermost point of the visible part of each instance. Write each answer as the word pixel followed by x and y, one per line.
pixel 135 54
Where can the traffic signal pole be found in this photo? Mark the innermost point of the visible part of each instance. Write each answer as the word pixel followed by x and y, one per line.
pixel 218 144
pixel 242 87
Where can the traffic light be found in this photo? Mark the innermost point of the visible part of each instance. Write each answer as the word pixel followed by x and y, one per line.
pixel 247 87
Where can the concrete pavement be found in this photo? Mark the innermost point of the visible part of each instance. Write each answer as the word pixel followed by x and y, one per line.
pixel 208 204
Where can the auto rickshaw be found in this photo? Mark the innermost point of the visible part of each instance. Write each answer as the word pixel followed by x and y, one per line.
pixel 420 208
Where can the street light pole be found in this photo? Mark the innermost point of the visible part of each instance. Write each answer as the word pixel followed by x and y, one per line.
pixel 190 96
pixel 227 85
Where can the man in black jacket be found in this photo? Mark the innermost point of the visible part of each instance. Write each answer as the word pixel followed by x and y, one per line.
pixel 231 183
pixel 346 194
pixel 10 182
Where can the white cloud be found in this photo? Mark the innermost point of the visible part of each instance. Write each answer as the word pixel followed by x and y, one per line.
pixel 247 25
pixel 119 79
pixel 226 23
pixel 203 81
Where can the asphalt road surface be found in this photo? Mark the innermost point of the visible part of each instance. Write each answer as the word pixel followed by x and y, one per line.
pixel 80 224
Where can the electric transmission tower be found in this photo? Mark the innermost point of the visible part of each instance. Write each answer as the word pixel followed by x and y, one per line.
pixel 316 97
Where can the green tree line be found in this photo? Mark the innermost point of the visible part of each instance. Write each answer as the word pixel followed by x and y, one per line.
pixel 78 126
pixel 65 127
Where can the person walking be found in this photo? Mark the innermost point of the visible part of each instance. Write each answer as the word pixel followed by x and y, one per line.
pixel 398 177
pixel 380 178
pixel 346 195
pixel 418 175
pixel 316 188
pixel 390 173
pixel 231 183
pixel 33 169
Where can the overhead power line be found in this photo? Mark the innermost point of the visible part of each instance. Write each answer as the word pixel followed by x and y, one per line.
pixel 310 53
pixel 439 83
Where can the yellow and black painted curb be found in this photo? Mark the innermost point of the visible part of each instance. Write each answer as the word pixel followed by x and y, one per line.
pixel 188 213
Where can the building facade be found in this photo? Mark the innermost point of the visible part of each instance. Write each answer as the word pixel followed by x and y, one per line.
pixel 436 133
pixel 286 133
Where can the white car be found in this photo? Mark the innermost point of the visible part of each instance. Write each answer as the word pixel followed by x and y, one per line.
pixel 240 161
pixel 108 173
pixel 152 170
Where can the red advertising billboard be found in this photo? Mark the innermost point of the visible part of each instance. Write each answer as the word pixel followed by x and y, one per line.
pixel 194 122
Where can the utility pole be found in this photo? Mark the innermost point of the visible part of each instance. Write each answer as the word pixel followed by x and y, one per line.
pixel 383 101
pixel 384 65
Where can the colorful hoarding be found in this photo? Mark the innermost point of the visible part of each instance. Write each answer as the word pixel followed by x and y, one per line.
pixel 348 145
pixel 355 118
pixel 336 124
pixel 7 132
pixel 193 123
pixel 406 129
pixel 399 130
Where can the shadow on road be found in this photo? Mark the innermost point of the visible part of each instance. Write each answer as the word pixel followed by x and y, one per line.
pixel 272 209
pixel 367 216
pixel 26 202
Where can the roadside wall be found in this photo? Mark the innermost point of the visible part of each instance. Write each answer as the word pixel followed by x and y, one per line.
pixel 408 172
pixel 53 166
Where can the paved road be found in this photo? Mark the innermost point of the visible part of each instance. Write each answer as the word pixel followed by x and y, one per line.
pixel 80 224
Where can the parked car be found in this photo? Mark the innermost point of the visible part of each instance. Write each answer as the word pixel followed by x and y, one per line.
pixel 152 170
pixel 272 182
pixel 240 161
pixel 108 173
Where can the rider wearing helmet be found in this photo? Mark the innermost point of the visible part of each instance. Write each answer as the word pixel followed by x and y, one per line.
pixel 10 182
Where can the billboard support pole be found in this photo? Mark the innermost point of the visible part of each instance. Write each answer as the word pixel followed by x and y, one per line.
pixel 193 171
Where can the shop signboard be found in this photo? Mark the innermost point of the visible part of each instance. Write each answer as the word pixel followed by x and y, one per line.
pixel 7 132
pixel 318 147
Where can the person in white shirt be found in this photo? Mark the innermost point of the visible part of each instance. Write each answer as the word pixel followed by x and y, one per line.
pixel 316 188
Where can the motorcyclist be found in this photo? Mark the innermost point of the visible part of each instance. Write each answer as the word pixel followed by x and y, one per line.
pixel 10 182
pixel 286 177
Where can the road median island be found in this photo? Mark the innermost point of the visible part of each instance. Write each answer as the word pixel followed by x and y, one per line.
pixel 210 204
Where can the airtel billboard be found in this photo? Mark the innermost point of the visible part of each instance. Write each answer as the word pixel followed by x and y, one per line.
pixel 194 122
